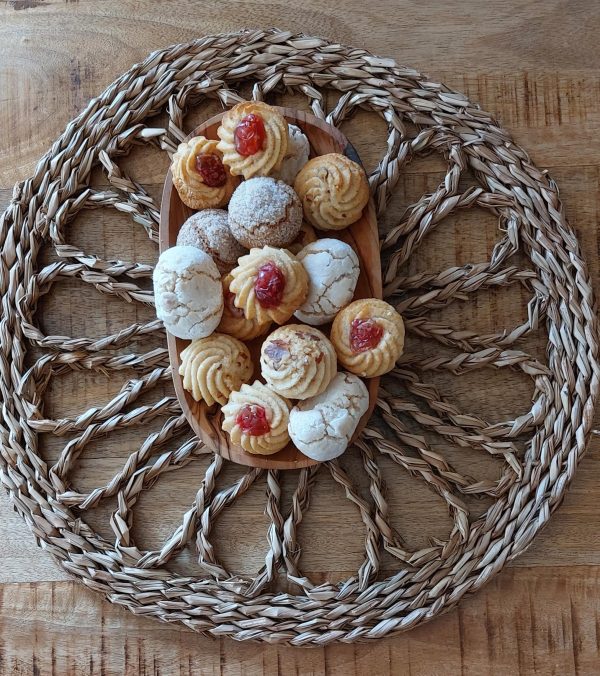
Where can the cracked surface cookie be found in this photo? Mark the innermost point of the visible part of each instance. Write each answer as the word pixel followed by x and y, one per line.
pixel 265 212
pixel 188 295
pixel 322 426
pixel 297 361
pixel 233 321
pixel 332 267
pixel 296 156
pixel 214 367
pixel 368 336
pixel 333 189
pixel 269 285
pixel 257 419
pixel 209 230
pixel 254 139
pixel 199 175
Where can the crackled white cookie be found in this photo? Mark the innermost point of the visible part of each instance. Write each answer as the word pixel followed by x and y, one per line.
pixel 269 285
pixel 209 230
pixel 264 212
pixel 296 156
pixel 257 419
pixel 332 267
pixel 187 292
pixel 368 336
pixel 254 139
pixel 214 367
pixel 322 426
pixel 333 189
pixel 199 175
pixel 297 361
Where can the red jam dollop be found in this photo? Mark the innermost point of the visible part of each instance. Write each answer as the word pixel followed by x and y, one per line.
pixel 269 285
pixel 229 301
pixel 249 136
pixel 252 420
pixel 365 334
pixel 211 169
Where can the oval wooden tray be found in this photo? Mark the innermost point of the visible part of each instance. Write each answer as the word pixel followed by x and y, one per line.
pixel 362 236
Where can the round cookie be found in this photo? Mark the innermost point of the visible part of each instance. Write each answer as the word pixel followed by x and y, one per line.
pixel 322 426
pixel 233 321
pixel 332 267
pixel 333 189
pixel 214 367
pixel 368 336
pixel 297 361
pixel 257 419
pixel 264 211
pixel 254 139
pixel 296 156
pixel 199 175
pixel 209 230
pixel 306 235
pixel 188 295
pixel 269 285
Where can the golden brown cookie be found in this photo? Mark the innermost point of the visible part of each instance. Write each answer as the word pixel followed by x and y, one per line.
pixel 333 189
pixel 214 367
pixel 199 175
pixel 269 284
pixel 257 419
pixel 368 336
pixel 254 139
pixel 233 321
pixel 307 235
pixel 297 361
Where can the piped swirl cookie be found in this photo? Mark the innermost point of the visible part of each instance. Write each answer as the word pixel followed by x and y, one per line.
pixel 214 367
pixel 368 336
pixel 297 361
pixel 199 175
pixel 333 190
pixel 233 321
pixel 257 419
pixel 269 285
pixel 254 139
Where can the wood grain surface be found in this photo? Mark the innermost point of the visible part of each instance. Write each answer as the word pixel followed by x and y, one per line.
pixel 536 66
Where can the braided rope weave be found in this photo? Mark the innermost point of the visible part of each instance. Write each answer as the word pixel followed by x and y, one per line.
pixel 533 481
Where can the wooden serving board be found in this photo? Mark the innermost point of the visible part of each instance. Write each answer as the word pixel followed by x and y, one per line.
pixel 362 236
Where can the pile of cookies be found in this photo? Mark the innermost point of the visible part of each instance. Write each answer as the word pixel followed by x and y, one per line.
pixel 234 273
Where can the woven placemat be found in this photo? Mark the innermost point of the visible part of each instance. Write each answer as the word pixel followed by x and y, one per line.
pixel 421 116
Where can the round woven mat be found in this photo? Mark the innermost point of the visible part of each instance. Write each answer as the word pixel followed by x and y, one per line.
pixel 539 449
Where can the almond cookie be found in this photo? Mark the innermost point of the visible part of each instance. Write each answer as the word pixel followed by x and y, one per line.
pixel 333 189
pixel 209 230
pixel 199 175
pixel 322 426
pixel 188 295
pixel 233 321
pixel 254 139
pixel 269 285
pixel 264 212
pixel 296 156
pixel 333 269
pixel 214 367
pixel 297 361
pixel 257 419
pixel 368 336
pixel 305 236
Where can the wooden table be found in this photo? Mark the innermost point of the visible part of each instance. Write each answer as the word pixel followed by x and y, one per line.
pixel 537 67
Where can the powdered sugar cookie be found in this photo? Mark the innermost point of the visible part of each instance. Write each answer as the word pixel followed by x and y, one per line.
pixel 332 267
pixel 187 292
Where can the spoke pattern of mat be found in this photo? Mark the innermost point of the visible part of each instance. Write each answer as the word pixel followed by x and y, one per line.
pixel 422 117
